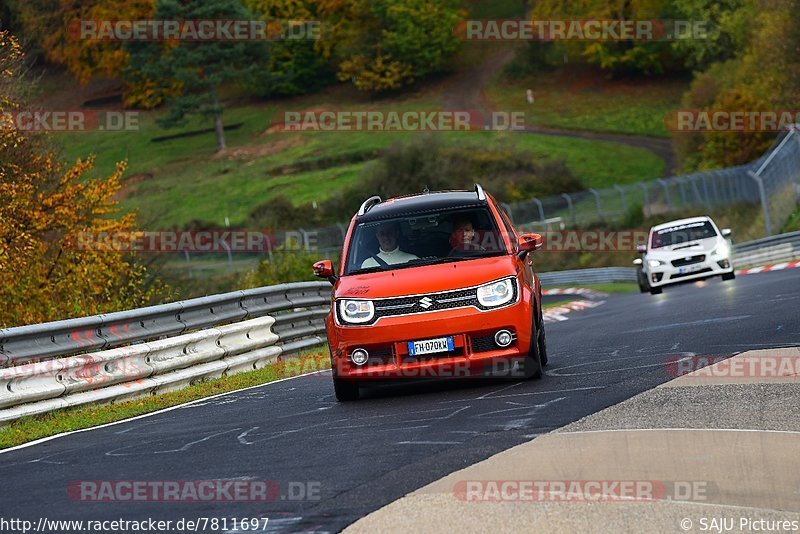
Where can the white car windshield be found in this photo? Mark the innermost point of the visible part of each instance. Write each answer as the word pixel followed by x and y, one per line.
pixel 683 233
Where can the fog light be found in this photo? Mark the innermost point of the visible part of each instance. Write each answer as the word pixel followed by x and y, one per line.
pixel 359 356
pixel 503 338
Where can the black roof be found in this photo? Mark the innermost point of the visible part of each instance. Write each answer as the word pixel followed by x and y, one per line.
pixel 422 203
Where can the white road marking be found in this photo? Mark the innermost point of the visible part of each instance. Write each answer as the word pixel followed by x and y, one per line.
pixel 690 323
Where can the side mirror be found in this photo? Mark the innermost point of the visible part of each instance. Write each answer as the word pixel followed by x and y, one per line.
pixel 641 249
pixel 324 269
pixel 726 232
pixel 638 261
pixel 529 243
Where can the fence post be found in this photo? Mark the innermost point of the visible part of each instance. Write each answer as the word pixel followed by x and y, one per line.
pixel 622 197
pixel 646 206
pixel 188 262
pixel 541 208
pixel 597 202
pixel 306 245
pixel 507 207
pixel 666 193
pixel 570 206
pixel 269 247
pixel 764 204
pixel 706 201
pixel 683 192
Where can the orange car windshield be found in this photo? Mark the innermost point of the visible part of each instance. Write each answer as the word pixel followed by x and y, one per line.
pixel 423 239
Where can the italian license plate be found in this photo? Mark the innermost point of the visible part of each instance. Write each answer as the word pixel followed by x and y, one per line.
pixel 690 268
pixel 430 346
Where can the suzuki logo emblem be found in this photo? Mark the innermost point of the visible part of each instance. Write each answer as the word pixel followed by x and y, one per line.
pixel 425 302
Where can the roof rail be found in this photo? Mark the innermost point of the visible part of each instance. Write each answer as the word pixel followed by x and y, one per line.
pixel 479 191
pixel 371 201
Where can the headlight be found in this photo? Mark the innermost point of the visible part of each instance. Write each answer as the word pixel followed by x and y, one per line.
pixel 721 250
pixel 356 311
pixel 655 263
pixel 496 293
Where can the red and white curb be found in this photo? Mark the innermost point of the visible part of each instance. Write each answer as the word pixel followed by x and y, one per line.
pixel 574 291
pixel 765 268
pixel 558 313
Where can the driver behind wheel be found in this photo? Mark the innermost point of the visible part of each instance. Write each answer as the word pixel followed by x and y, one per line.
pixel 463 238
pixel 389 251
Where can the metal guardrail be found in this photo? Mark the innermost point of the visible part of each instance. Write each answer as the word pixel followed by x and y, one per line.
pixel 184 344
pixel 49 340
pixel 768 250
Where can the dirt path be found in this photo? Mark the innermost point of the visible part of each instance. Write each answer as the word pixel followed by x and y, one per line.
pixel 466 92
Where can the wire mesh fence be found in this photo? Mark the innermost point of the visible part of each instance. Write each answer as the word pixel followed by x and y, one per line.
pixel 773 180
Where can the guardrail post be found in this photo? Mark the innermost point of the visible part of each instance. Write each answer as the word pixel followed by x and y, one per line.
pixel 764 204
pixel 570 206
pixel 597 203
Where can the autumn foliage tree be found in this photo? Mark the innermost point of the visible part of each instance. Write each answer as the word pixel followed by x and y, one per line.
pixel 46 209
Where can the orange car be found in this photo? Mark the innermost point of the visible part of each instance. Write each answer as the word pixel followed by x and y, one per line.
pixel 433 285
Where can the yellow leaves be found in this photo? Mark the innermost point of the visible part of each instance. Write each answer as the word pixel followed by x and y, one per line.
pixel 44 204
pixel 379 74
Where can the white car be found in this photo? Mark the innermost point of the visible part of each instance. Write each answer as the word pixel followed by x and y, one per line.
pixel 687 249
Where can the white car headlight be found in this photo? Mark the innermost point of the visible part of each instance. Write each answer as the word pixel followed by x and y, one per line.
pixel 496 293
pixel 722 250
pixel 655 263
pixel 356 311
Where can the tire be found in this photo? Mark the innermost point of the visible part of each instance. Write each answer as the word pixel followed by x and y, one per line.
pixel 644 287
pixel 532 365
pixel 542 340
pixel 729 276
pixel 345 391
pixel 655 290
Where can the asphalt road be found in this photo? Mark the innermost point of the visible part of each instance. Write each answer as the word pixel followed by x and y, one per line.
pixel 357 457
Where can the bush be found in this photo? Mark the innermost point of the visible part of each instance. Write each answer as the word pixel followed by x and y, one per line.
pixel 285 266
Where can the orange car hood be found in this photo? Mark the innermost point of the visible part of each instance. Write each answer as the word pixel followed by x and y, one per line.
pixel 425 279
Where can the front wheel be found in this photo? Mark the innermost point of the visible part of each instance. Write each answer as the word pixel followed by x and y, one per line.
pixel 532 364
pixel 655 290
pixel 542 340
pixel 345 391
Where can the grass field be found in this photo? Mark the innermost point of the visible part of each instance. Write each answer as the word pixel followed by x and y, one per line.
pixel 582 98
pixel 172 182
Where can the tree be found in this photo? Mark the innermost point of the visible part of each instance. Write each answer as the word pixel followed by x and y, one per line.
pixel 198 68
pixel 45 208
pixel 295 66
pixel 386 44
pixel 50 27
pixel 618 57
